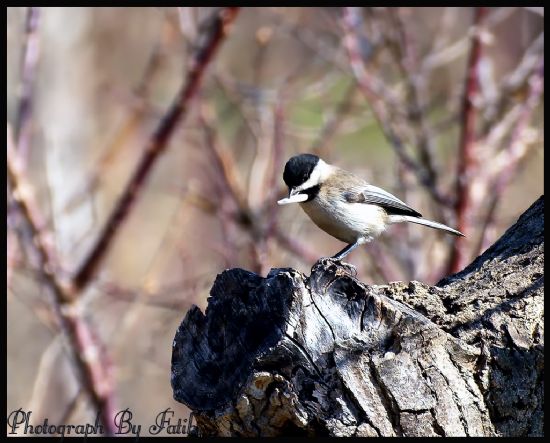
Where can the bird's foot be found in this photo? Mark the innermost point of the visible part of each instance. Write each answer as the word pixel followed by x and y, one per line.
pixel 338 263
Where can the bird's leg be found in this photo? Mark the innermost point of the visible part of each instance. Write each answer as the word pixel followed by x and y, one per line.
pixel 346 250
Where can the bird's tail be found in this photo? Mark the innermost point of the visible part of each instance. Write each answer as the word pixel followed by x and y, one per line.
pixel 423 221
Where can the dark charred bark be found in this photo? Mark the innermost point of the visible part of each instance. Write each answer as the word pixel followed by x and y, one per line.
pixel 329 355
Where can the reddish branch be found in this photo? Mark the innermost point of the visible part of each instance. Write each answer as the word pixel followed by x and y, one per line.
pixel 90 360
pixel 212 36
pixel 466 148
pixel 84 348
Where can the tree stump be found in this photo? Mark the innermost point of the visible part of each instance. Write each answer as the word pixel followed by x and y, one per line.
pixel 329 355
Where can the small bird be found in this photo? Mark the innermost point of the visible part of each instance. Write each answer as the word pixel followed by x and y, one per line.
pixel 344 205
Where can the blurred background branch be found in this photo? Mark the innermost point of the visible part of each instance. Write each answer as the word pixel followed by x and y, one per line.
pixel 467 159
pixel 83 345
pixel 441 106
pixel 29 61
pixel 208 41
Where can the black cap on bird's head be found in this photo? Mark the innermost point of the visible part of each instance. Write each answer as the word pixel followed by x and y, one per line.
pixel 298 169
pixel 301 179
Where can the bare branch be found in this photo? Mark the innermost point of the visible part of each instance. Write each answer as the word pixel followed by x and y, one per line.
pixel 123 133
pixel 371 89
pixel 211 37
pixel 83 343
pixel 466 154
pixel 29 62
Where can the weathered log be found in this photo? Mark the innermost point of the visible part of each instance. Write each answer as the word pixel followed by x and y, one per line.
pixel 329 355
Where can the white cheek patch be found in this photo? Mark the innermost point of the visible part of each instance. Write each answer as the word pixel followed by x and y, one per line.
pixel 318 175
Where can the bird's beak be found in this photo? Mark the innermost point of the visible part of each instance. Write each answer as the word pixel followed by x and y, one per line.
pixel 293 197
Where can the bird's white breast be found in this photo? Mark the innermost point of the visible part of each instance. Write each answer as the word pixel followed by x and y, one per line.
pixel 347 222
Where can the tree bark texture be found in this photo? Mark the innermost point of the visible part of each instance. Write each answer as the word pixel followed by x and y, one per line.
pixel 326 354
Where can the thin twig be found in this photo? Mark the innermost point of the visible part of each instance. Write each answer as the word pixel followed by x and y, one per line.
pixel 228 188
pixel 252 222
pixel 211 37
pixel 231 191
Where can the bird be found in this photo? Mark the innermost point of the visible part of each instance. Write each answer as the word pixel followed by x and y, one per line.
pixel 344 205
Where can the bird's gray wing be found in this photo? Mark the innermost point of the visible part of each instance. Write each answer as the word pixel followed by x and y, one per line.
pixel 377 196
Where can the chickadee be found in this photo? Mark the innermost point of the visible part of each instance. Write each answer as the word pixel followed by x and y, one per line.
pixel 343 205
